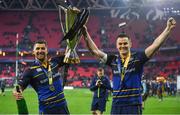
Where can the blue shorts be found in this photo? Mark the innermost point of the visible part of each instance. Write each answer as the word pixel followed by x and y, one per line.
pixel 57 110
pixel 129 109
pixel 98 104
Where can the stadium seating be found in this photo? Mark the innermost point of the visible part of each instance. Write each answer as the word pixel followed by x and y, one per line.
pixel 45 25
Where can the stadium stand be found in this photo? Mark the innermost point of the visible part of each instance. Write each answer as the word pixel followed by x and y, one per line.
pixel 35 25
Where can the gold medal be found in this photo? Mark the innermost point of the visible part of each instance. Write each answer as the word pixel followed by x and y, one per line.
pixel 50 77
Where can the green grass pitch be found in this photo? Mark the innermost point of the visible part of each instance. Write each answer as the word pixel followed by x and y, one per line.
pixel 79 102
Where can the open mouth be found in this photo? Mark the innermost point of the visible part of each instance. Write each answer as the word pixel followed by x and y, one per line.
pixel 124 50
pixel 41 54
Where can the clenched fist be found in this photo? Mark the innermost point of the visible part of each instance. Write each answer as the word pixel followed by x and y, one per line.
pixel 171 23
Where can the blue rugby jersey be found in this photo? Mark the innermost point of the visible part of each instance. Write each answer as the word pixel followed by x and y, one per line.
pixel 128 90
pixel 37 78
pixel 103 89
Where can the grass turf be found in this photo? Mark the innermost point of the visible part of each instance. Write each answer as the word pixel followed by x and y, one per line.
pixel 79 102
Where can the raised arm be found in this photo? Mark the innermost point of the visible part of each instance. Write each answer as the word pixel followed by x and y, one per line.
pixel 92 46
pixel 153 48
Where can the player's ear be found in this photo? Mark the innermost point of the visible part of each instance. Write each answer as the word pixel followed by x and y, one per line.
pixel 33 52
pixel 117 43
pixel 47 50
pixel 130 43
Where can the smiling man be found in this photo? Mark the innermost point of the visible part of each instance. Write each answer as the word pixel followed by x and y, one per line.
pixel 44 77
pixel 127 69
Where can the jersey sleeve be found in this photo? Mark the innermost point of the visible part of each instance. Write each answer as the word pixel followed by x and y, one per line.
pixel 93 86
pixel 110 59
pixel 59 60
pixel 107 84
pixel 142 57
pixel 24 79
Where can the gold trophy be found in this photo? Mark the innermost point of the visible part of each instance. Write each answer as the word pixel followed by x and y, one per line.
pixel 74 21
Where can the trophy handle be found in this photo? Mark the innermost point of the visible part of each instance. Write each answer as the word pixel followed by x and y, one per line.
pixel 60 18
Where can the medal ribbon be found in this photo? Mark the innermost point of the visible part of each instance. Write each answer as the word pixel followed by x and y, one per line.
pixel 123 70
pixel 49 74
pixel 98 92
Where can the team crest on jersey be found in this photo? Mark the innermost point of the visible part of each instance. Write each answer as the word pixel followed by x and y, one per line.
pixel 116 72
pixel 38 69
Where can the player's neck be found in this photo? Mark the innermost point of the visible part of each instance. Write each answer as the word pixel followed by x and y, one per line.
pixel 125 56
pixel 44 62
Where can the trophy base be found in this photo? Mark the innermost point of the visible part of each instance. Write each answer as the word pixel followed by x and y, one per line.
pixel 72 60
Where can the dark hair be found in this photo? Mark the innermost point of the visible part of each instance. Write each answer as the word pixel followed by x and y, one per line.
pixel 100 69
pixel 123 35
pixel 40 42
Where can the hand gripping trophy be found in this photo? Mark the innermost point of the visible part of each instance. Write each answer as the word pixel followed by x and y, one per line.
pixel 74 21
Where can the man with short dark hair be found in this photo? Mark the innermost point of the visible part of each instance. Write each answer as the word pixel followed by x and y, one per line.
pixel 127 69
pixel 44 77
pixel 100 85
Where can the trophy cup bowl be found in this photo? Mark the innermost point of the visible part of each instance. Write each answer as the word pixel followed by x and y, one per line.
pixel 74 21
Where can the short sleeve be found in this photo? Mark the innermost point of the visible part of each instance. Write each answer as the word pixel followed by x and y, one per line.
pixel 59 60
pixel 110 59
pixel 142 57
